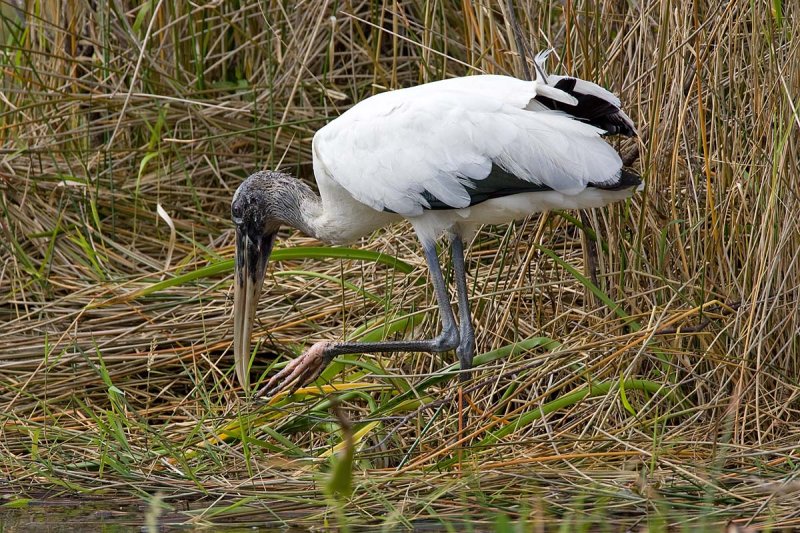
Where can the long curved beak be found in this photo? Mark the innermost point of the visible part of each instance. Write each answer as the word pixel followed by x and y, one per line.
pixel 251 264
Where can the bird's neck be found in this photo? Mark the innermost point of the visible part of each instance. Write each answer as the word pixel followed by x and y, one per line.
pixel 307 213
pixel 304 212
pixel 338 220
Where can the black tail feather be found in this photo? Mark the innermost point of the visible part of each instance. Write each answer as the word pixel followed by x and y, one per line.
pixel 627 179
pixel 590 108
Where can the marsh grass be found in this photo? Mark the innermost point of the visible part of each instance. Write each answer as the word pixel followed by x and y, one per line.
pixel 664 395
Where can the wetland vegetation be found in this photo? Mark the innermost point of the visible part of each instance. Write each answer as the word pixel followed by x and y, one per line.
pixel 661 393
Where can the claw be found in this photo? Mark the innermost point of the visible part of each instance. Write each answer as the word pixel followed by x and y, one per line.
pixel 300 371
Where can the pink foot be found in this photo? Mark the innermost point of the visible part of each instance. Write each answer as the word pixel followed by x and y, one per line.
pixel 300 371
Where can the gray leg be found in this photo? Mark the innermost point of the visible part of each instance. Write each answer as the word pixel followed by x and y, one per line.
pixel 308 366
pixel 466 347
pixel 446 340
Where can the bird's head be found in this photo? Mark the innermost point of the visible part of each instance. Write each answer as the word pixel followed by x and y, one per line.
pixel 259 208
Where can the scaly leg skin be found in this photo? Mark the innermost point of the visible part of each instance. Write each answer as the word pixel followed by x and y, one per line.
pixel 466 346
pixel 300 371
pixel 308 366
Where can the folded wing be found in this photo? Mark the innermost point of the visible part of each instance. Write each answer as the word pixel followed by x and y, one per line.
pixel 458 142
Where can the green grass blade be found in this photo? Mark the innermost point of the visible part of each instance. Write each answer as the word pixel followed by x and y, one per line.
pixel 282 254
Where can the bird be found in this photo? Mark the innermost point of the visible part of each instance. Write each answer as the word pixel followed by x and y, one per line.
pixel 448 156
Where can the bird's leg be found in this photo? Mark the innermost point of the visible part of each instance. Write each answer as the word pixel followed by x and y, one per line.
pixel 466 346
pixel 308 366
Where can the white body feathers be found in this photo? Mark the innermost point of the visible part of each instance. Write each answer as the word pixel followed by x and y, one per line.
pixel 379 160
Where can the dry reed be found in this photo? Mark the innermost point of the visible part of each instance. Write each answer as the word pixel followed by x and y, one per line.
pixel 115 374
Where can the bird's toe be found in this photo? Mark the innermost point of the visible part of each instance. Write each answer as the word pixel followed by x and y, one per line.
pixel 299 372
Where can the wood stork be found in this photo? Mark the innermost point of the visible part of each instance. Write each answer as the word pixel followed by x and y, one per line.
pixel 448 156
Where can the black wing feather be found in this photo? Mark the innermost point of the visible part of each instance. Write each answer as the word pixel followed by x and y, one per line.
pixel 592 109
pixel 501 183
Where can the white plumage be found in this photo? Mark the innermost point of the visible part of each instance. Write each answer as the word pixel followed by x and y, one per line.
pixel 448 156
pixel 388 149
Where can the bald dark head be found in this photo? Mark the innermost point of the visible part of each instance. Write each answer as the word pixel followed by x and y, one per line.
pixel 268 199
pixel 253 206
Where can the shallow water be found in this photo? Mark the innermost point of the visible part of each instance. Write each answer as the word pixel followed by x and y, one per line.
pixel 105 517
pixel 56 518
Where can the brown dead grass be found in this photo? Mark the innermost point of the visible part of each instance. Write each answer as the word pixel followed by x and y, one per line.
pixel 106 114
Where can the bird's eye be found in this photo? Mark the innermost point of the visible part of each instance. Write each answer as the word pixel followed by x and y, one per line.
pixel 237 213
